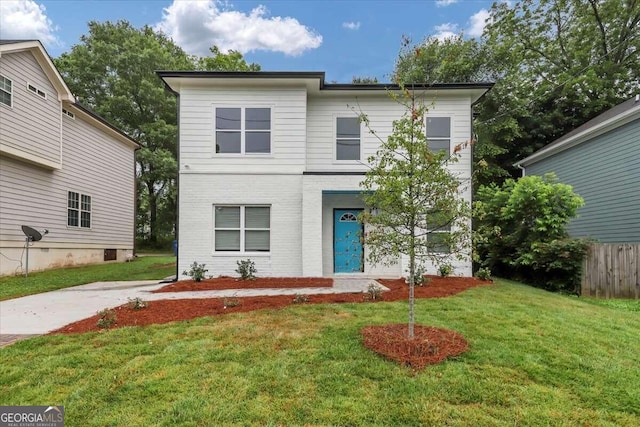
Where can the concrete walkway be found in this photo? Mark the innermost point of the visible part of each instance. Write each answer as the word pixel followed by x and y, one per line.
pixel 42 313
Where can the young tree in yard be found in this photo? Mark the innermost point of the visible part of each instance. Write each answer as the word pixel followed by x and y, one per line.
pixel 414 201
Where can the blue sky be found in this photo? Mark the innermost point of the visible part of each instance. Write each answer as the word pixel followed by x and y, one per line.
pixel 342 38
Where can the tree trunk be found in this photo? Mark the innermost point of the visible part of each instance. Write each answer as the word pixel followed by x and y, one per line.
pixel 412 283
pixel 153 212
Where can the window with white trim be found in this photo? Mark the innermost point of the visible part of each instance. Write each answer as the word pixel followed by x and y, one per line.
pixel 439 134
pixel 242 228
pixel 347 138
pixel 438 232
pixel 6 91
pixel 243 130
pixel 78 210
pixel 41 93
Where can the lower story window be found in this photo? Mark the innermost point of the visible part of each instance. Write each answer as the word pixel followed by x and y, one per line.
pixel 242 228
pixel 78 210
pixel 439 230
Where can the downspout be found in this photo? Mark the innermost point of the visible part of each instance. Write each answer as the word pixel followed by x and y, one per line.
pixel 177 184
pixel 519 166
pixel 135 197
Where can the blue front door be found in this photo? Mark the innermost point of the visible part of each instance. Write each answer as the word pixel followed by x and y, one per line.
pixel 347 243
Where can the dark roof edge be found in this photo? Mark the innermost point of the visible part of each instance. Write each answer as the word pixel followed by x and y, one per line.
pixel 321 76
pixel 244 74
pixel 104 122
pixel 393 86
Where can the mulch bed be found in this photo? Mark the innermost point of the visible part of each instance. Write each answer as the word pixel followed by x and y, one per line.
pixel 225 282
pixel 389 340
pixel 428 346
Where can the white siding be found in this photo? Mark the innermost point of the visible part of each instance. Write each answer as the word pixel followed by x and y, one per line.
pixel 381 111
pixel 32 125
pixel 288 130
pixel 200 192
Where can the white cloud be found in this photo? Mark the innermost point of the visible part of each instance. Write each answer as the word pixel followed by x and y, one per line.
pixel 445 31
pixel 351 25
pixel 477 22
pixel 197 25
pixel 25 19
pixel 445 3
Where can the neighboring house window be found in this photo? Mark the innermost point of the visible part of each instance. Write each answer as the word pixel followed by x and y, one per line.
pixel 78 210
pixel 243 130
pixel 6 91
pixel 347 138
pixel 438 229
pixel 36 90
pixel 242 228
pixel 439 133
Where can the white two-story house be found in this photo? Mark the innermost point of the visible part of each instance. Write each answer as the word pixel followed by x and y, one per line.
pixel 270 165
pixel 63 169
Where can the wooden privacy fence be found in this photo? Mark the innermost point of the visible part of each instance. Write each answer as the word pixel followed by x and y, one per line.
pixel 612 270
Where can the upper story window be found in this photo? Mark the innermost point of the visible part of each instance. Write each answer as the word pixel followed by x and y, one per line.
pixel 347 138
pixel 78 210
pixel 41 93
pixel 6 91
pixel 439 134
pixel 243 130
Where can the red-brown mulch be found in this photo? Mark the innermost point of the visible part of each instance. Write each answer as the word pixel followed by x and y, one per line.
pixel 428 346
pixel 164 311
pixel 225 282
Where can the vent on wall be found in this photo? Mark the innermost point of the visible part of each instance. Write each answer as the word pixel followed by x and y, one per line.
pixel 68 113
pixel 110 254
pixel 37 91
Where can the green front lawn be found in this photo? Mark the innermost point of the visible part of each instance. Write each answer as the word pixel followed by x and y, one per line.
pixel 143 268
pixel 536 358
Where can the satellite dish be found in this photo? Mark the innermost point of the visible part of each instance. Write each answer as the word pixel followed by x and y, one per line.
pixel 32 234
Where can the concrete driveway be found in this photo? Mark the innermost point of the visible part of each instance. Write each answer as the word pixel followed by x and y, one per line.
pixel 43 313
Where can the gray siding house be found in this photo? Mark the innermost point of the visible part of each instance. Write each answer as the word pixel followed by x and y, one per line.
pixel 601 160
pixel 62 168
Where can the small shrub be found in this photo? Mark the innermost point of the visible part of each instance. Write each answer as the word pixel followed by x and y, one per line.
pixel 300 299
pixel 374 293
pixel 246 269
pixel 137 303
pixel 196 272
pixel 107 318
pixel 419 278
pixel 483 274
pixel 231 302
pixel 445 270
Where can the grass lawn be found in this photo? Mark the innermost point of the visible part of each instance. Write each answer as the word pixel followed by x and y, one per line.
pixel 143 268
pixel 536 358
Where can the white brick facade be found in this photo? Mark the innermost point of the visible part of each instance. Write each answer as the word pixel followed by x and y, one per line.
pixel 300 179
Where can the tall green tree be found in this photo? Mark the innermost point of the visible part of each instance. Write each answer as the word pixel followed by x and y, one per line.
pixel 561 62
pixel 414 203
pixel 112 71
pixel 454 59
pixel 556 63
